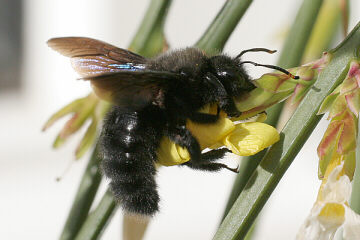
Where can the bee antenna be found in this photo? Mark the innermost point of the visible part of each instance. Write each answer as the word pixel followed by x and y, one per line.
pixel 273 67
pixel 255 50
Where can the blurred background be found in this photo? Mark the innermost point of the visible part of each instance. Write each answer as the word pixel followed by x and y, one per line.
pixel 36 81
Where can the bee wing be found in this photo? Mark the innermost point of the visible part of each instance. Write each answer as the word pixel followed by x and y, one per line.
pixel 91 57
pixel 132 90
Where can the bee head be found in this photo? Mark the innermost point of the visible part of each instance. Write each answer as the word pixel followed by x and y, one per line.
pixel 231 74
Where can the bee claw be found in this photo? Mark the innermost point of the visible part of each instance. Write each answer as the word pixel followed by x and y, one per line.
pixel 235 170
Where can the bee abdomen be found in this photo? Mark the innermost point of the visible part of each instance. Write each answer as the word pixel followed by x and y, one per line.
pixel 128 161
pixel 137 196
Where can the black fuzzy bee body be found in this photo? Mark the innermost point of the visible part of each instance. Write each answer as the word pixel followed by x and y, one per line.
pixel 153 98
pixel 128 145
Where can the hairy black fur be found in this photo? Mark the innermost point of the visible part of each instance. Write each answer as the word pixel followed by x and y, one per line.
pixel 130 138
pixel 153 98
pixel 129 141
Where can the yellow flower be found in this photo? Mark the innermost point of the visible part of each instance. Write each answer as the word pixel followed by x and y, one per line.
pixel 243 139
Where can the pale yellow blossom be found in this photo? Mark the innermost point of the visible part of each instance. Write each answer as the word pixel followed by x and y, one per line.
pixel 331 210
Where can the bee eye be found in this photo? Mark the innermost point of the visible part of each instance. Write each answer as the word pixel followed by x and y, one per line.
pixel 222 74
pixel 183 72
pixel 186 73
pixel 226 74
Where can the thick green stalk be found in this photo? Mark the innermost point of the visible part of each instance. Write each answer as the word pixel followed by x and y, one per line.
pixel 149 39
pixel 299 34
pixel 355 195
pixel 247 168
pixel 84 197
pixel 98 219
pixel 308 11
pixel 92 176
pixel 219 31
pixel 279 157
pixel 325 28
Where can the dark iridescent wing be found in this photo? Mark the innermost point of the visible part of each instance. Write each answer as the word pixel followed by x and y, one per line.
pixel 132 89
pixel 117 75
pixel 91 57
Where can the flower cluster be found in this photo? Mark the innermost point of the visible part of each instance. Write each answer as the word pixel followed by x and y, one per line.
pixel 82 109
pixel 337 164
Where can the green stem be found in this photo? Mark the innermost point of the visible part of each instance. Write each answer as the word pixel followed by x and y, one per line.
pixel 355 195
pixel 299 26
pixel 219 31
pixel 98 219
pixel 247 167
pixel 279 157
pixel 299 34
pixel 325 29
pixel 84 197
pixel 149 39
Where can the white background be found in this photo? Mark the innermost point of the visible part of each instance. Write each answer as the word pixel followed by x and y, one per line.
pixel 34 206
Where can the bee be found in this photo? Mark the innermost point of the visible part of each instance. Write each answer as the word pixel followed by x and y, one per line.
pixel 153 98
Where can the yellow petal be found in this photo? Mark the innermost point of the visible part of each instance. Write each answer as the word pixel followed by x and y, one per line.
pixel 210 134
pixel 170 154
pixel 332 215
pixel 250 138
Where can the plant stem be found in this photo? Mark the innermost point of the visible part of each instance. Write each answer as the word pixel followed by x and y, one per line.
pixel 149 39
pixel 299 34
pixel 133 227
pixel 84 197
pixel 249 164
pixel 98 219
pixel 325 28
pixel 355 195
pixel 219 31
pixel 279 157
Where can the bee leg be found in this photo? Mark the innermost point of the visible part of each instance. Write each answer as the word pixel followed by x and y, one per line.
pixel 211 167
pixel 204 117
pixel 227 104
pixel 182 136
pixel 214 154
pixel 225 101
pixel 206 163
